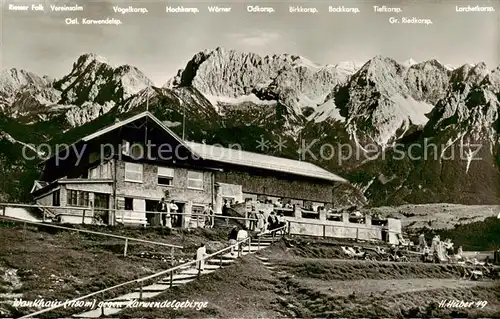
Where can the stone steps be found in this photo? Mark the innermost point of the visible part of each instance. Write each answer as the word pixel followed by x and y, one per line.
pixel 187 274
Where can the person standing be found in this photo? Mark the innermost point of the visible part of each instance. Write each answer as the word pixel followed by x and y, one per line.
pixel 225 208
pixel 233 235
pixel 212 215
pixel 242 235
pixel 201 252
pixel 422 244
pixel 172 211
pixel 281 222
pixel 208 216
pixel 205 218
pixel 225 211
pixel 261 221
pixel 272 222
pixel 253 221
pixel 163 209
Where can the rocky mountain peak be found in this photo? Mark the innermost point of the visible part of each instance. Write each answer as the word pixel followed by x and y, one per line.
pixel 379 105
pixel 12 80
pixel 228 76
pixel 470 74
pixel 427 81
pixel 93 79
pixel 23 91
pixel 382 74
pixel 492 80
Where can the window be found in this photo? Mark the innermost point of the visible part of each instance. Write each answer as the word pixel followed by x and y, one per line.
pixel 195 180
pixel 72 198
pixel 165 176
pixel 133 172
pixel 78 198
pixel 102 171
pixel 83 199
pixel 129 203
pixel 56 199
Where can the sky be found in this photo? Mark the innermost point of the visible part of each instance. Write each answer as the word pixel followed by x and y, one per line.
pixel 160 43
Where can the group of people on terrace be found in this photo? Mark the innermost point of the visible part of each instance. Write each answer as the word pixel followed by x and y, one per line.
pixel 259 222
pixel 168 212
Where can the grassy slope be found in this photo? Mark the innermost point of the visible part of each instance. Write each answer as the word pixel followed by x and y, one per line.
pixel 437 216
pixel 304 287
pixel 478 236
pixel 61 264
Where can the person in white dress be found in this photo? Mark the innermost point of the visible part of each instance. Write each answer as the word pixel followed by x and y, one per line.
pixel 172 210
pixel 242 234
pixel 261 221
pixel 201 252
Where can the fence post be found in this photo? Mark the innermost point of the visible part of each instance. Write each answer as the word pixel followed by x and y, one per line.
pixel 199 267
pixel 289 224
pixel 172 256
pixel 140 292
pixel 83 217
pixel 258 244
pixel 324 231
pixel 125 248
pixel 197 221
pixel 171 279
pixel 3 210
pixel 357 233
pixel 249 243
pixel 102 308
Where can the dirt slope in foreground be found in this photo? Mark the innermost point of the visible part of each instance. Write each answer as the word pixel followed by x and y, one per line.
pixel 296 288
pixel 58 265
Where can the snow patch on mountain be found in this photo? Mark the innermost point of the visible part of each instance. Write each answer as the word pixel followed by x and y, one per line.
pixel 292 80
pixel 325 111
pixel 409 62
pixel 306 63
pixel 350 67
pixel 250 98
pixel 379 104
pixel 395 113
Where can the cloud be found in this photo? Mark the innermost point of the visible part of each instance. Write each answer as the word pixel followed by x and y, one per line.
pixel 254 39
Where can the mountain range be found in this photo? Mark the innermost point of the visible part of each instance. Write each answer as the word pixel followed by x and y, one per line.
pixel 411 132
